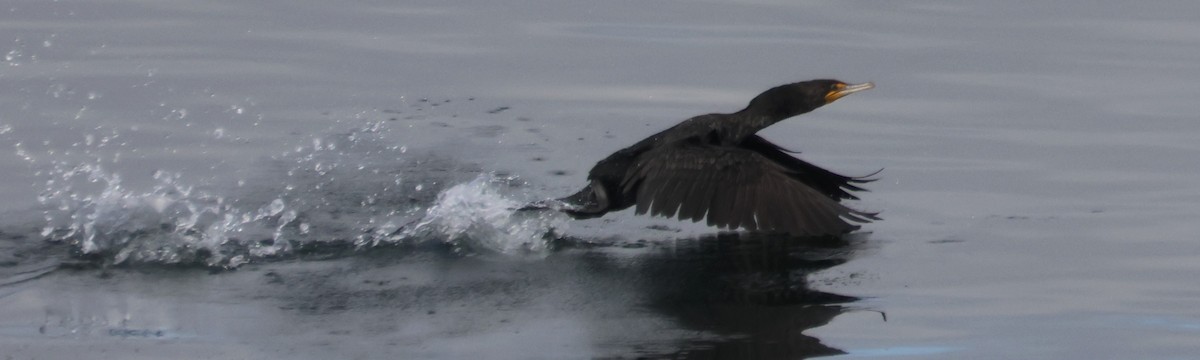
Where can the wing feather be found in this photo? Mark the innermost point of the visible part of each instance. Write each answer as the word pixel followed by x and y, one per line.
pixel 699 198
pixel 740 187
pixel 832 184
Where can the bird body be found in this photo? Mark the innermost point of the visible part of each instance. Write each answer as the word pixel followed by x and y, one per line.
pixel 714 167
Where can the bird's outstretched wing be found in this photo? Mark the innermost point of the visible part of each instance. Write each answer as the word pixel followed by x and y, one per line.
pixel 832 184
pixel 734 187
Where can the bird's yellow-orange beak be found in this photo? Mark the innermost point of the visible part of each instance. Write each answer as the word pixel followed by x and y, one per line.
pixel 841 90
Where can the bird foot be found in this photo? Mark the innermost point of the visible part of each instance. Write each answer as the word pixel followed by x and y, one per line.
pixel 549 204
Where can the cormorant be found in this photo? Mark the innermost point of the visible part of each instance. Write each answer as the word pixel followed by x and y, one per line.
pixel 714 166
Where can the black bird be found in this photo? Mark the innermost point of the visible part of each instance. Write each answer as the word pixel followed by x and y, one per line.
pixel 714 166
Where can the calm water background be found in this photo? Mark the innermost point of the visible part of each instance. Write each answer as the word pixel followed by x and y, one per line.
pixel 350 165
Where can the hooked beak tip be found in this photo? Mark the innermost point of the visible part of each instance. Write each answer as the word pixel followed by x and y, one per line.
pixel 847 90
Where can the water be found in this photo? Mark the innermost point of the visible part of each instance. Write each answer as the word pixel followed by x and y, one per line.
pixel 276 179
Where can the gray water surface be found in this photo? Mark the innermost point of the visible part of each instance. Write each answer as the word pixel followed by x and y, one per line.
pixel 315 180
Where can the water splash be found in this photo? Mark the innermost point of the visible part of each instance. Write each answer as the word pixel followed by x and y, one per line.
pixel 171 223
pixel 476 216
pixel 348 190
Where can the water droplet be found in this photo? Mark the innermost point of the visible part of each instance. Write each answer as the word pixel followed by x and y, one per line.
pixel 237 261
pixel 275 208
pixel 287 217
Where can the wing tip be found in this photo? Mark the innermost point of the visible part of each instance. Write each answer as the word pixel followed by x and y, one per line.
pixel 864 179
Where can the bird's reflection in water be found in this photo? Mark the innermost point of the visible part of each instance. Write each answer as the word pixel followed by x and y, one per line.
pixel 728 296
pixel 747 293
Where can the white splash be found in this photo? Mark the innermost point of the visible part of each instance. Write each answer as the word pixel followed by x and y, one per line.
pixel 475 215
pixel 170 223
pixel 345 188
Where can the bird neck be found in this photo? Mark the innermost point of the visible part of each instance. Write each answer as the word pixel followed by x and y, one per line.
pixel 745 123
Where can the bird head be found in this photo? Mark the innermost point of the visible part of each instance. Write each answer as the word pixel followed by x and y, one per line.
pixel 793 99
